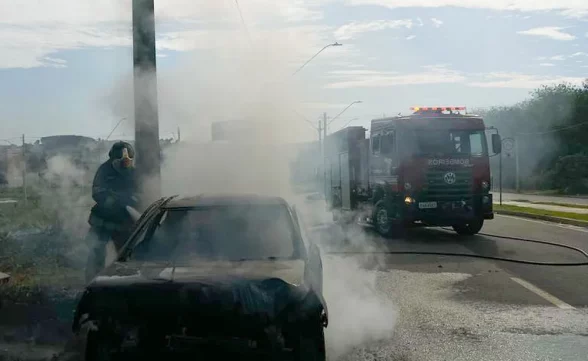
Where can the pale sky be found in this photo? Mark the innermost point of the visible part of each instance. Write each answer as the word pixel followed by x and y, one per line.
pixel 65 65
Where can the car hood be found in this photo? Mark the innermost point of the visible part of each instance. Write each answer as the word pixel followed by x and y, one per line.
pixel 128 273
pixel 265 290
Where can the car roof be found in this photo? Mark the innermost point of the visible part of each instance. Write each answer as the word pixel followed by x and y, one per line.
pixel 209 200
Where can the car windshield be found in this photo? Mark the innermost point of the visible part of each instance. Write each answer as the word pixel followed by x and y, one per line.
pixel 251 232
pixel 450 142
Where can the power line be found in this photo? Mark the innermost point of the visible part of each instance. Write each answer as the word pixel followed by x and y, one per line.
pixel 243 23
pixel 8 141
pixel 555 130
pixel 116 126
pixel 18 138
pixel 306 120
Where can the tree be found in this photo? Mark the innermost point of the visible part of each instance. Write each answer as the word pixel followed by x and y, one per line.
pixel 552 131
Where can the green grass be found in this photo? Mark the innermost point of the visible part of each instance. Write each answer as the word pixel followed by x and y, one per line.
pixel 25 217
pixel 38 262
pixel 542 212
pixel 550 192
pixel 17 193
pixel 569 205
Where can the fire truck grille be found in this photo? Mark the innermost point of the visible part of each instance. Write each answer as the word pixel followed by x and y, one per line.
pixel 452 184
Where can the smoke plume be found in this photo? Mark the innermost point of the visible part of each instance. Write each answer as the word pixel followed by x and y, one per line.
pixel 251 85
pixel 359 313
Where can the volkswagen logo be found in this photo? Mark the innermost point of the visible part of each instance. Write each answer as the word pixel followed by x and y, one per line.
pixel 449 178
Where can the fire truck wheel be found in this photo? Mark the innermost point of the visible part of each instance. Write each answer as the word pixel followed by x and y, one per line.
pixel 469 229
pixel 386 223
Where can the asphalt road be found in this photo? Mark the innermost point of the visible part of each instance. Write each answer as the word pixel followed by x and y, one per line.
pixel 412 307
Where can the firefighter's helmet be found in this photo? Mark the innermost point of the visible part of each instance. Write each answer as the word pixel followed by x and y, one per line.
pixel 122 155
pixel 118 150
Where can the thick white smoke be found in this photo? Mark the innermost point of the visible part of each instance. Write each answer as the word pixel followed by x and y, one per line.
pixel 359 313
pixel 249 86
pixel 252 83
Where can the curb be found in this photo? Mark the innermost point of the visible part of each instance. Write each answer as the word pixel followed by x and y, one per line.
pixel 556 195
pixel 573 222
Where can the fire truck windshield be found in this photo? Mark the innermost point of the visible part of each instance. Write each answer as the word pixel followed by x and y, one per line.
pixel 449 141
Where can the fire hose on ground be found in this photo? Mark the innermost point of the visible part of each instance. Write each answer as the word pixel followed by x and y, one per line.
pixel 494 258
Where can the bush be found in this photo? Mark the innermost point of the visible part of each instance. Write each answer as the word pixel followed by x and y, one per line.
pixel 571 174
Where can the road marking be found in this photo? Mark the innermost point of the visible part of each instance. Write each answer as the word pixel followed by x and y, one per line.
pixel 564 226
pixel 548 297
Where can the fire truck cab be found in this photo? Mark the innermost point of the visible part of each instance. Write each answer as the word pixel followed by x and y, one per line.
pixel 430 168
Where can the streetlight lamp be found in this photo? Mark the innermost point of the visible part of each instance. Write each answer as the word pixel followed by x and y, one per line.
pixel 306 120
pixel 315 55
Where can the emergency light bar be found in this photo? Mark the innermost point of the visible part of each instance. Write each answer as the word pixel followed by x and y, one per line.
pixel 431 109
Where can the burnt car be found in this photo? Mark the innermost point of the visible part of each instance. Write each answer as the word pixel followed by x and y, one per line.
pixel 206 274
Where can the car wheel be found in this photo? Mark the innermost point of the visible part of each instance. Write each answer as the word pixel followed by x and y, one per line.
pixel 311 345
pixel 469 229
pixel 387 221
pixel 98 348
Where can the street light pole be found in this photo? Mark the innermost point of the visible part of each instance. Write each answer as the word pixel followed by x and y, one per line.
pixel 500 175
pixel 315 55
pixel 320 152
pixel 338 115
pixel 145 96
pixel 517 165
pixel 325 125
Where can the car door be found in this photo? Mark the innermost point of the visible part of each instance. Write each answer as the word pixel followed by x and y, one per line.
pixel 313 271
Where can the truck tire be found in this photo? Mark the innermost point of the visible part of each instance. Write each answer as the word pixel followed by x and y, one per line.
pixel 469 229
pixel 387 225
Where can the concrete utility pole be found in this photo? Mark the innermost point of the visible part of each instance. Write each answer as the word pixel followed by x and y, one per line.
pixel 323 152
pixel 325 126
pixel 147 145
pixel 320 136
pixel 320 153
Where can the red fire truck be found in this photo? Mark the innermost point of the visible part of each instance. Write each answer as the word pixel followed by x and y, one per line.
pixel 430 168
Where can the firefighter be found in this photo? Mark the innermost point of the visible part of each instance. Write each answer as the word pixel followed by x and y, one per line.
pixel 113 189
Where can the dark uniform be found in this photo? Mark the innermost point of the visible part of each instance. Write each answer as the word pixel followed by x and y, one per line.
pixel 113 189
